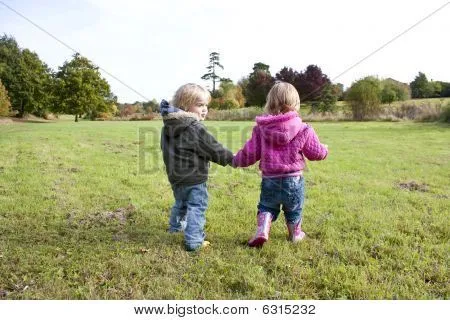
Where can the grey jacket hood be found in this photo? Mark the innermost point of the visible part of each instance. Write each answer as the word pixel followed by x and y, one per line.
pixel 176 120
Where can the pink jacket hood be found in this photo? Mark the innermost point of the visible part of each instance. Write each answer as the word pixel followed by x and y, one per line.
pixel 280 129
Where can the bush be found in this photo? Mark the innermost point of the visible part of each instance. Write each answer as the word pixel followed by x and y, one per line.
pixel 445 114
pixel 142 117
pixel 229 96
pixel 388 95
pixel 215 104
pixel 128 110
pixel 230 104
pixel 408 111
pixel 223 104
pixel 49 116
pixel 101 116
pixel 412 111
pixel 393 90
pixel 364 98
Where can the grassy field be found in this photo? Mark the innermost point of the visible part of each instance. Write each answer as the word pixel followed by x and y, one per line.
pixel 84 209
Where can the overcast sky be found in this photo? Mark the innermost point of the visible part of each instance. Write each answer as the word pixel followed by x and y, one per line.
pixel 156 46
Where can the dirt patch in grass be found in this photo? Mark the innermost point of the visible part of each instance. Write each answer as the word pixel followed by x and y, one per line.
pixel 413 186
pixel 3 293
pixel 118 216
pixel 310 183
pixel 114 147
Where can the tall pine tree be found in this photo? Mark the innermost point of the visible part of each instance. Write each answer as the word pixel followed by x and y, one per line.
pixel 214 63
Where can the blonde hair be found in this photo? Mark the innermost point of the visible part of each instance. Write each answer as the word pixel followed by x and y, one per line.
pixel 189 95
pixel 282 98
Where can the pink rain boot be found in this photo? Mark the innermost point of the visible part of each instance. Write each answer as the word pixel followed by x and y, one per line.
pixel 295 231
pixel 262 233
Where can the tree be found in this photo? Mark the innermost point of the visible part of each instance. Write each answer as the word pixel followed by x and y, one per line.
pixel 338 91
pixel 230 91
pixel 151 106
pixel 81 89
pixel 364 98
pixel 128 110
pixel 445 86
pixel 229 96
pixel 214 62
pixel 259 83
pixel 36 84
pixel 239 96
pixel 288 75
pixel 327 100
pixel 420 87
pixel 243 84
pixel 393 90
pixel 311 82
pixel 436 88
pixel 10 55
pixel 5 104
pixel 27 79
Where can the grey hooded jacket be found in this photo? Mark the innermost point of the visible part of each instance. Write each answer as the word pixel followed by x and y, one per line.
pixel 188 147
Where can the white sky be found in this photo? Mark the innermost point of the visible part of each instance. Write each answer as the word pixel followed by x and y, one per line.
pixel 156 46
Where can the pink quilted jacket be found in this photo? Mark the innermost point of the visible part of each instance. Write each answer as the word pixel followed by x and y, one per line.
pixel 280 142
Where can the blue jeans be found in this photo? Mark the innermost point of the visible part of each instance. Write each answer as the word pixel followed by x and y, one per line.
pixel 288 192
pixel 188 213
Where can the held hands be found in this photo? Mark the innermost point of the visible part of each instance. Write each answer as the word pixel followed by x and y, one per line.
pixel 233 164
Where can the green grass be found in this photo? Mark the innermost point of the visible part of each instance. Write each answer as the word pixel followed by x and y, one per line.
pixel 67 230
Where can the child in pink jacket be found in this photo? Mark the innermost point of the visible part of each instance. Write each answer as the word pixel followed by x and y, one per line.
pixel 280 141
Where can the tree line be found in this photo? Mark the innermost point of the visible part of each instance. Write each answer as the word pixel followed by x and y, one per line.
pixel 364 96
pixel 28 85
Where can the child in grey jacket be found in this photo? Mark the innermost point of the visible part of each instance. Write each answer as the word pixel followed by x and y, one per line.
pixel 187 148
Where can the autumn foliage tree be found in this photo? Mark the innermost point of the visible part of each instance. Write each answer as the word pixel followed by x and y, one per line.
pixel 229 96
pixel 128 110
pixel 311 82
pixel 313 86
pixel 5 104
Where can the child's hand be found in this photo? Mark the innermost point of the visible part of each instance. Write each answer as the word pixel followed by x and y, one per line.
pixel 233 165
